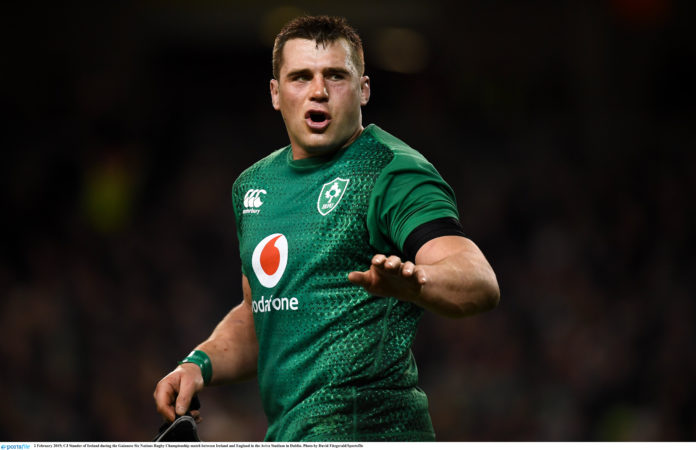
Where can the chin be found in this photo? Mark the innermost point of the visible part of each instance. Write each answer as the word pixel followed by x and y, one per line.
pixel 322 145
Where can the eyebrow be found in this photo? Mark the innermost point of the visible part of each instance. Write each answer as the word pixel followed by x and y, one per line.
pixel 336 71
pixel 297 72
pixel 326 71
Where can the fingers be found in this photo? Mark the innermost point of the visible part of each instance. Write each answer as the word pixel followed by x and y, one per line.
pixel 408 268
pixel 188 387
pixel 174 392
pixel 387 267
pixel 420 275
pixel 164 395
pixel 391 264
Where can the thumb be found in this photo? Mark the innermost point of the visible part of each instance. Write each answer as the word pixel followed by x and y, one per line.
pixel 359 278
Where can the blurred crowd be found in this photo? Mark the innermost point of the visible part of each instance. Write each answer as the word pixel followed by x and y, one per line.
pixel 567 132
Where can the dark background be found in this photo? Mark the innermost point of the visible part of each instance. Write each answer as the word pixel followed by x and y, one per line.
pixel 566 128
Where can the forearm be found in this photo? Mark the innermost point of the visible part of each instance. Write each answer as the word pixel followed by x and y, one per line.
pixel 232 347
pixel 451 277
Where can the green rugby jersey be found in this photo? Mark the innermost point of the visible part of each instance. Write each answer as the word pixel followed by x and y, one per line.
pixel 335 362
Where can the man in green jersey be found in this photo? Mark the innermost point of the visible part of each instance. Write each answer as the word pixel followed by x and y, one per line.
pixel 346 235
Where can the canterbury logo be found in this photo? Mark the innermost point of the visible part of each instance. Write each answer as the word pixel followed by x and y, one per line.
pixel 269 259
pixel 252 199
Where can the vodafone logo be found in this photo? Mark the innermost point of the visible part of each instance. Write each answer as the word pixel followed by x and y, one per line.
pixel 269 259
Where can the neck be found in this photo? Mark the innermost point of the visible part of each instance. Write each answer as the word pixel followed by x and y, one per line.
pixel 302 153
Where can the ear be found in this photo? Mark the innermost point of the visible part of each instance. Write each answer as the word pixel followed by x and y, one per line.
pixel 364 90
pixel 274 94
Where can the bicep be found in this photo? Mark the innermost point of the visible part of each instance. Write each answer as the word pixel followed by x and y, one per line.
pixel 442 247
pixel 460 258
pixel 462 282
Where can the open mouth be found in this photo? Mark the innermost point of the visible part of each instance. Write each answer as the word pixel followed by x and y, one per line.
pixel 317 120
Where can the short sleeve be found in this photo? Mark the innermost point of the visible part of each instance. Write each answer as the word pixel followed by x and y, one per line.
pixel 408 193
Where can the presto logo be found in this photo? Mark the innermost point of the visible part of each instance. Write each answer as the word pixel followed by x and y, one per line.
pixel 269 259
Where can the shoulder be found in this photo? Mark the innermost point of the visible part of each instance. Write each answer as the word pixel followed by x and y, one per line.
pixel 408 192
pixel 269 161
pixel 403 155
pixel 404 160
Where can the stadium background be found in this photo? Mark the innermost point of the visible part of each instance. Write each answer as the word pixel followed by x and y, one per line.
pixel 567 129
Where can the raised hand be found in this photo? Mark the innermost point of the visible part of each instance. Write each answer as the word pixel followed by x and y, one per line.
pixel 390 277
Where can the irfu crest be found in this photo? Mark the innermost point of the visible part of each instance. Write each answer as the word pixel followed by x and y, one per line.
pixel 330 195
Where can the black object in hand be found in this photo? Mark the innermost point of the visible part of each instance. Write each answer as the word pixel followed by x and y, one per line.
pixel 183 429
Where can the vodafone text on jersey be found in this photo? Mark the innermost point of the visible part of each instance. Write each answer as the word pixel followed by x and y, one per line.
pixel 269 259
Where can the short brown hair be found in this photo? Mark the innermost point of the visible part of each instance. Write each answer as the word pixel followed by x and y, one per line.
pixel 323 30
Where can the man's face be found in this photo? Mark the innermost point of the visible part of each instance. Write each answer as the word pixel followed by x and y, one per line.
pixel 319 94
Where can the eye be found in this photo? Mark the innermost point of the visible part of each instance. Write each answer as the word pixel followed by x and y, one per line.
pixel 336 76
pixel 300 77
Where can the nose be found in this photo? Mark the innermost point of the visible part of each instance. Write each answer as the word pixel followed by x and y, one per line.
pixel 319 92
